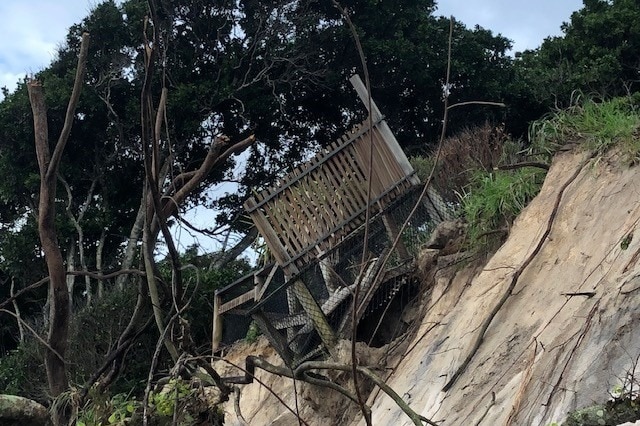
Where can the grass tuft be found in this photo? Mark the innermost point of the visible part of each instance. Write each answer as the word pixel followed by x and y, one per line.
pixel 598 126
pixel 494 199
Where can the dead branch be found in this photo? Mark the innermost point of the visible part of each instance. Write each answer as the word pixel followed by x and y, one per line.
pixel 587 294
pixel 536 164
pixel 459 104
pixel 302 372
pixel 52 169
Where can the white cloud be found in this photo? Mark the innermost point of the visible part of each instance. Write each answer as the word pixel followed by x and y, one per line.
pixel 526 23
pixel 31 31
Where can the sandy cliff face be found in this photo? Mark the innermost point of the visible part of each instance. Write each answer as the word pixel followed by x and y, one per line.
pixel 546 352
pixel 567 335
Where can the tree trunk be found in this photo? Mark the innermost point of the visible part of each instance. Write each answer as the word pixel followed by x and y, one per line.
pixel 48 164
pixel 59 295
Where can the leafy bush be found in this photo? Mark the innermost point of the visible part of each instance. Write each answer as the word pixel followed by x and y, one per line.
pixel 253 333
pixel 176 399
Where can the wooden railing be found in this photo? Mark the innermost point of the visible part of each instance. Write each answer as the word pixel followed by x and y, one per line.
pixel 320 202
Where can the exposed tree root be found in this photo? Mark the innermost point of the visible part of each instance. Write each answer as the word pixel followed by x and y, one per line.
pixel 514 280
pixel 303 372
pixel 581 336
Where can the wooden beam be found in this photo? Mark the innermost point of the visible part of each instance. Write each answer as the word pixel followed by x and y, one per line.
pixel 385 131
pixel 268 233
pixel 314 312
pixel 216 329
pixel 233 303
pixel 264 285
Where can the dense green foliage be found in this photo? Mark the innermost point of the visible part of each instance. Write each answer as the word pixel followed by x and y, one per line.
pixel 597 55
pixel 494 199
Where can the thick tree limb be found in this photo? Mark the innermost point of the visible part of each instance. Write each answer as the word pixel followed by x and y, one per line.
pixel 52 170
pixel 191 180
pixel 221 259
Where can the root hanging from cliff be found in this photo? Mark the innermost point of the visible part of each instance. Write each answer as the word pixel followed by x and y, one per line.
pixel 303 372
pixel 514 280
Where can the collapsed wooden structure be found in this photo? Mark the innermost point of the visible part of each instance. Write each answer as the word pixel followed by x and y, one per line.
pixel 311 220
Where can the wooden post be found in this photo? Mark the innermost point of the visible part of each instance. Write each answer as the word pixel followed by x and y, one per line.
pixel 216 334
pixel 385 131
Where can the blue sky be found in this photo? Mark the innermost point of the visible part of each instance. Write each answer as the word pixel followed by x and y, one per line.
pixel 32 29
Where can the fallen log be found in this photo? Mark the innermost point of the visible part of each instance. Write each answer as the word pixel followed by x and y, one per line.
pixel 16 410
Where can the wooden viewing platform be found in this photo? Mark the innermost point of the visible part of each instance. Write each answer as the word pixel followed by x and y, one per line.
pixel 307 220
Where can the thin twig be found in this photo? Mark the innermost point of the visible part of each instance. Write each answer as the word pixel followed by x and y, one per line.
pixel 354 319
pixel 36 335
pixel 23 291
